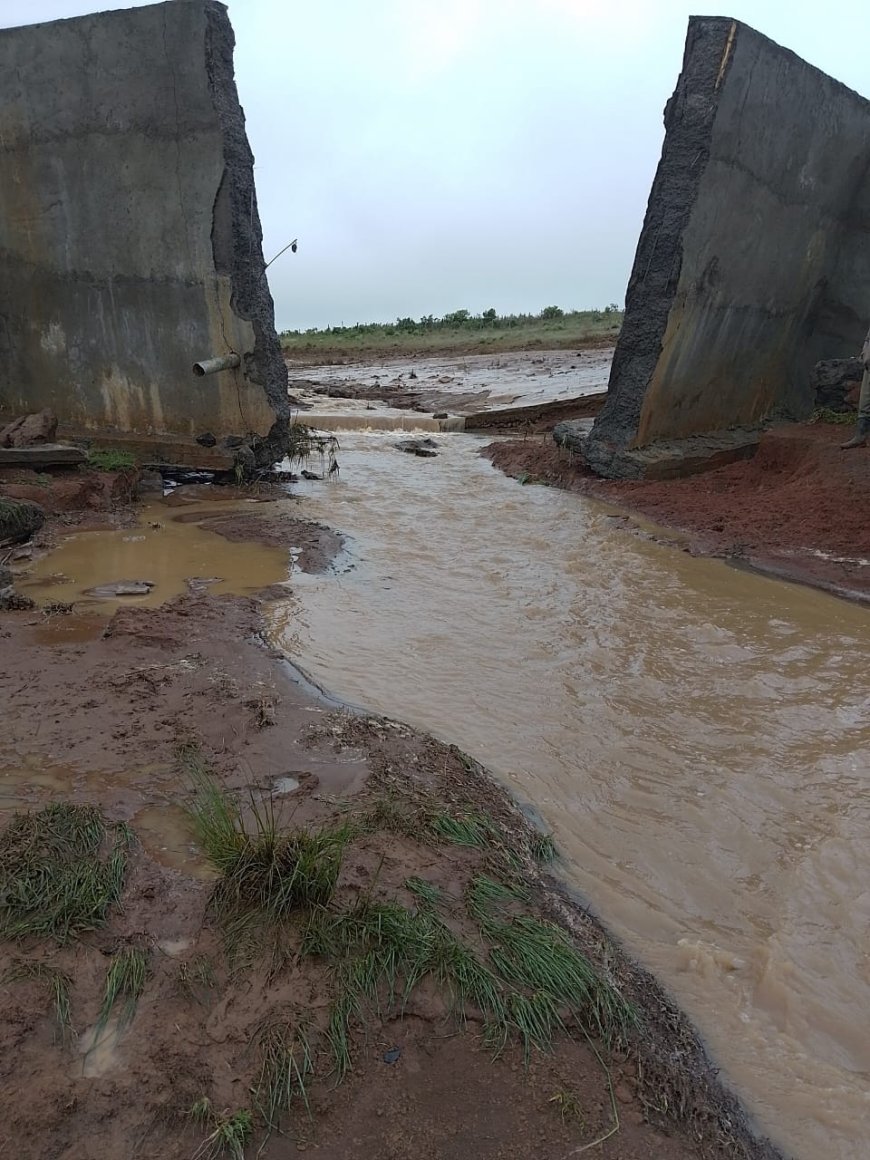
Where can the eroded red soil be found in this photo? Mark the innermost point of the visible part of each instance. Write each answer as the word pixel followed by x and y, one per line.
pixel 797 509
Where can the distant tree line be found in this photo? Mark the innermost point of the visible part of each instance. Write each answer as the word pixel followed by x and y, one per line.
pixel 462 320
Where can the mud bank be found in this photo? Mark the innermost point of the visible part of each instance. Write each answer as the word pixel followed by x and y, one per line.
pixel 97 717
pixel 794 511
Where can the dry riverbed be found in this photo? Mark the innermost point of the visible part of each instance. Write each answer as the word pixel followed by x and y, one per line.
pixel 130 712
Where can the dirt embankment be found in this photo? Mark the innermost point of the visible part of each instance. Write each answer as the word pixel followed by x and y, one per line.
pixel 108 716
pixel 100 722
pixel 796 510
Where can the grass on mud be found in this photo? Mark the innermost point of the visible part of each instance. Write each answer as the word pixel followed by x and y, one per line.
pixel 110 459
pixel 125 981
pixel 279 892
pixel 58 984
pixel 229 1132
pixel 61 869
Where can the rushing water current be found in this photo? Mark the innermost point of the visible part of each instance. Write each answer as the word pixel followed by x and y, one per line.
pixel 697 738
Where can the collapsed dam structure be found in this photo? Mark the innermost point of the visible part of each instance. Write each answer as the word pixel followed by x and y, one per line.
pixel 130 242
pixel 753 262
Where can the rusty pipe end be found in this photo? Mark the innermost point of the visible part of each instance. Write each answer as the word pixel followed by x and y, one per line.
pixel 210 366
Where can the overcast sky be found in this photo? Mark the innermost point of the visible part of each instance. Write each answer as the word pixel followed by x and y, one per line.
pixel 467 153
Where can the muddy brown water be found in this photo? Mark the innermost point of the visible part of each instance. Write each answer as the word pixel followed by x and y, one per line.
pixel 166 549
pixel 697 738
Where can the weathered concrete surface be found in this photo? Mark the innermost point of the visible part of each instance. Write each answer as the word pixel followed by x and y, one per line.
pixel 754 259
pixel 130 243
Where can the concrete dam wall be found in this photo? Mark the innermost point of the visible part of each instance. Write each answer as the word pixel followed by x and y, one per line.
pixel 753 262
pixel 130 242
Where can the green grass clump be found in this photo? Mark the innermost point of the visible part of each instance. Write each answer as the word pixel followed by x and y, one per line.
pixel 427 893
pixel 110 459
pixel 486 896
pixel 267 872
pixel 279 871
pixel 539 958
pixel 542 848
pixel 61 868
pixel 230 1132
pixel 380 951
pixel 826 415
pixel 466 829
pixel 125 980
pixel 286 1068
pixel 58 984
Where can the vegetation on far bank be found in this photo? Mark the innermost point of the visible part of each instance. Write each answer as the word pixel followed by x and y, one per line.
pixel 459 332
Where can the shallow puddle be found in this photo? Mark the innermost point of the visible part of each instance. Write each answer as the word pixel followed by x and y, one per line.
pixel 165 832
pixel 97 1049
pixel 165 553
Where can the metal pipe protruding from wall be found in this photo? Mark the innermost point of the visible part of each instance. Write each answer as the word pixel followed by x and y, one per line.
pixel 210 366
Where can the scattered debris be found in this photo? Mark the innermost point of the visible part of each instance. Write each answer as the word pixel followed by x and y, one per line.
pixel 121 588
pixel 424 448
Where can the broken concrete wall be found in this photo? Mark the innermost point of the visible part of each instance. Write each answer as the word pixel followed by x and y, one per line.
pixel 130 243
pixel 754 259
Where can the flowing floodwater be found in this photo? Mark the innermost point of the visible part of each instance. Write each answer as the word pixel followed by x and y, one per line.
pixel 698 738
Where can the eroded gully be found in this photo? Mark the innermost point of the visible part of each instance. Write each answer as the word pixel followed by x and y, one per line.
pixel 696 737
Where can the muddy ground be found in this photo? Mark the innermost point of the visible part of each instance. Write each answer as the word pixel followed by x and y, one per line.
pixel 796 510
pixel 459 385
pixel 102 711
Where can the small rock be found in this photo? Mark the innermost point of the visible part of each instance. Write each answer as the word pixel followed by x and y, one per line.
pixel 311 475
pixel 440 415
pixel 393 1055
pixel 206 439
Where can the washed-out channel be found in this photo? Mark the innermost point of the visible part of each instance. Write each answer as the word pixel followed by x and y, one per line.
pixel 697 738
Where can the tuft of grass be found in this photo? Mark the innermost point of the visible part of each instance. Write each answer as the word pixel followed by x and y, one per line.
pixel 568 1105
pixel 538 957
pixel 486 896
pixel 125 980
pixel 216 816
pixel 230 1132
pixel 542 848
pixel 110 459
pixel 58 984
pixel 267 873
pixel 427 893
pixel 197 977
pixel 380 952
pixel 278 872
pixel 826 415
pixel 61 869
pixel 536 1019
pixel 286 1068
pixel 465 829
